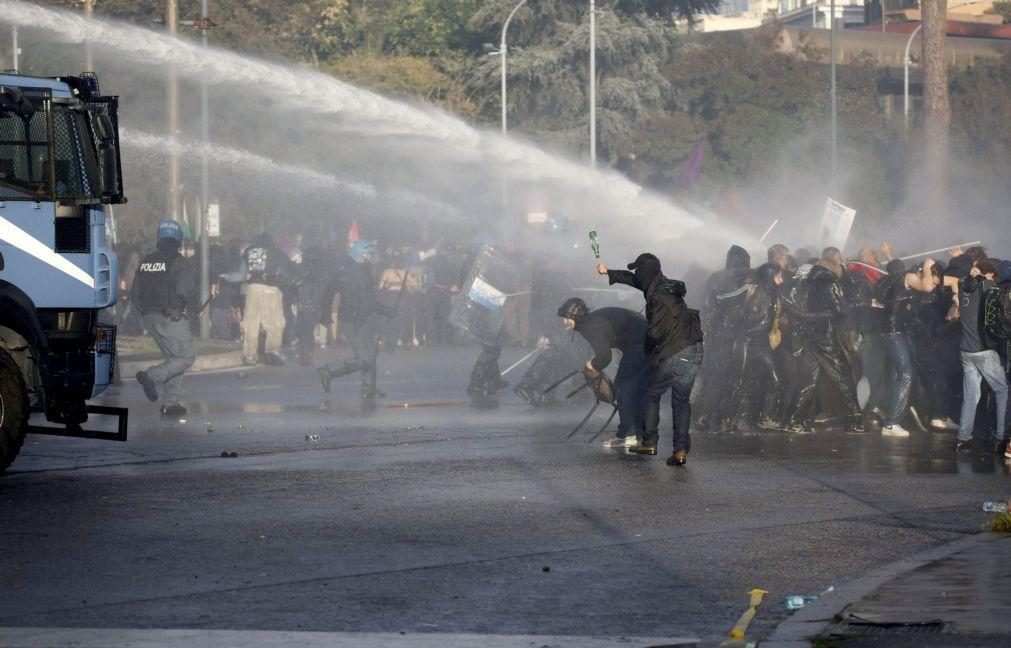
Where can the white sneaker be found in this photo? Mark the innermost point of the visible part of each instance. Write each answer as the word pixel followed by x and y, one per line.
pixel 894 431
pixel 620 442
pixel 944 423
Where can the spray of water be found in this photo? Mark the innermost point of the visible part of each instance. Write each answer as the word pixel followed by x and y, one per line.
pixel 223 156
pixel 417 149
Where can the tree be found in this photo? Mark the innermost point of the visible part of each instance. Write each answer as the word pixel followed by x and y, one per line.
pixel 936 106
pixel 669 9
pixel 1001 8
pixel 548 70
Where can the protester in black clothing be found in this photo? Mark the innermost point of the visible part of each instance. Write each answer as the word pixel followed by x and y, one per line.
pixel 359 312
pixel 720 314
pixel 673 349
pixel 823 353
pixel 624 330
pixel 757 393
pixel 310 283
pixel 938 382
pixel 864 319
pixel 798 326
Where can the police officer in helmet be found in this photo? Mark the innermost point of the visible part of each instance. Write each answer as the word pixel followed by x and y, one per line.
pixel 359 312
pixel 161 290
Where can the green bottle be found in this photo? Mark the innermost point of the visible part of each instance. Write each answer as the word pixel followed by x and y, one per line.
pixel 594 244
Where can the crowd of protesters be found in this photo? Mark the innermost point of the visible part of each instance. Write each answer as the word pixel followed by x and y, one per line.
pixel 789 341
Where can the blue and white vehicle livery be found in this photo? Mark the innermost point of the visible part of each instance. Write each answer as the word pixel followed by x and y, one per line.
pixel 59 167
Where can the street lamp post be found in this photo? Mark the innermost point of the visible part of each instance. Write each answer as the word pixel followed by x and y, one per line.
pixel 906 61
pixel 835 110
pixel 17 49
pixel 172 99
pixel 593 84
pixel 205 286
pixel 502 52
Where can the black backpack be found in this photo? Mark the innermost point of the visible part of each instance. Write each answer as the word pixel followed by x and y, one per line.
pixel 996 315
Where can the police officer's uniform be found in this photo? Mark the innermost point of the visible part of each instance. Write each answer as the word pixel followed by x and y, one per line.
pixel 359 311
pixel 161 288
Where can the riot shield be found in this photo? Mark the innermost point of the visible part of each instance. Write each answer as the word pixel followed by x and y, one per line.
pixel 479 308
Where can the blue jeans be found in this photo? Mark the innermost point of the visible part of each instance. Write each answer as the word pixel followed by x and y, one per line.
pixel 900 358
pixel 677 374
pixel 630 383
pixel 985 364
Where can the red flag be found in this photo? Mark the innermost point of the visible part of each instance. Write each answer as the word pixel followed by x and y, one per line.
pixel 353 234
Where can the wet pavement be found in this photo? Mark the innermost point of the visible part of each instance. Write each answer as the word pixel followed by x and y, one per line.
pixel 960 600
pixel 440 517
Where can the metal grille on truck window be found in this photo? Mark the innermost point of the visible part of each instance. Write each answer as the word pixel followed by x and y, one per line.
pixel 25 151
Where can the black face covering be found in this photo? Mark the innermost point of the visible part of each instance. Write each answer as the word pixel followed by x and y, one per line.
pixel 647 268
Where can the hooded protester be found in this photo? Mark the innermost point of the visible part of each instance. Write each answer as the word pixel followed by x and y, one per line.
pixel 624 330
pixel 359 312
pixel 720 314
pixel 823 353
pixel 760 335
pixel 673 349
pixel 730 278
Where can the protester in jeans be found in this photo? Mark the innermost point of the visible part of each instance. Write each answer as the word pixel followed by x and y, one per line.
pixel 625 330
pixel 979 357
pixel 673 349
pixel 901 317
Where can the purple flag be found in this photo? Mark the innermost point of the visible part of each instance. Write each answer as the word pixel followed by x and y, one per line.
pixel 692 167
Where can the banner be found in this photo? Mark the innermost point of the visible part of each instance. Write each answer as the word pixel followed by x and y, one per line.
pixel 836 224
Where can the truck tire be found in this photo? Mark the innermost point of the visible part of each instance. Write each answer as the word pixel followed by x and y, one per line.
pixel 14 411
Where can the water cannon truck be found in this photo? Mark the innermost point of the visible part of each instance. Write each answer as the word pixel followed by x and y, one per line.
pixel 59 170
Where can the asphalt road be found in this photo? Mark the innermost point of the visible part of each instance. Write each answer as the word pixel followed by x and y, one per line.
pixel 451 519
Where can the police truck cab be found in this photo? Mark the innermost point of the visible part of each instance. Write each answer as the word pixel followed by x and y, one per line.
pixel 59 168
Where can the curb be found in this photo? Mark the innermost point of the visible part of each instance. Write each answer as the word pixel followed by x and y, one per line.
pixel 208 362
pixel 811 620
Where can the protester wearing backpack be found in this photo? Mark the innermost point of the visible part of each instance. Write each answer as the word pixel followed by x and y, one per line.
pixel 979 302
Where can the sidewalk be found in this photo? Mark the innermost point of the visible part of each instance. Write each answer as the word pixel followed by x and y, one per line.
pixel 955 595
pixel 139 352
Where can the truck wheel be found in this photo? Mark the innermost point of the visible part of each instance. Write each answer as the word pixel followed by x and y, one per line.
pixel 14 410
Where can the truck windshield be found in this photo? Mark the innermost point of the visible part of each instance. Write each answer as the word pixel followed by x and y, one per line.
pixel 39 162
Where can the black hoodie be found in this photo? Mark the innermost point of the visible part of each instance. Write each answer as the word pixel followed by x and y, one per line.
pixel 727 280
pixel 671 325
